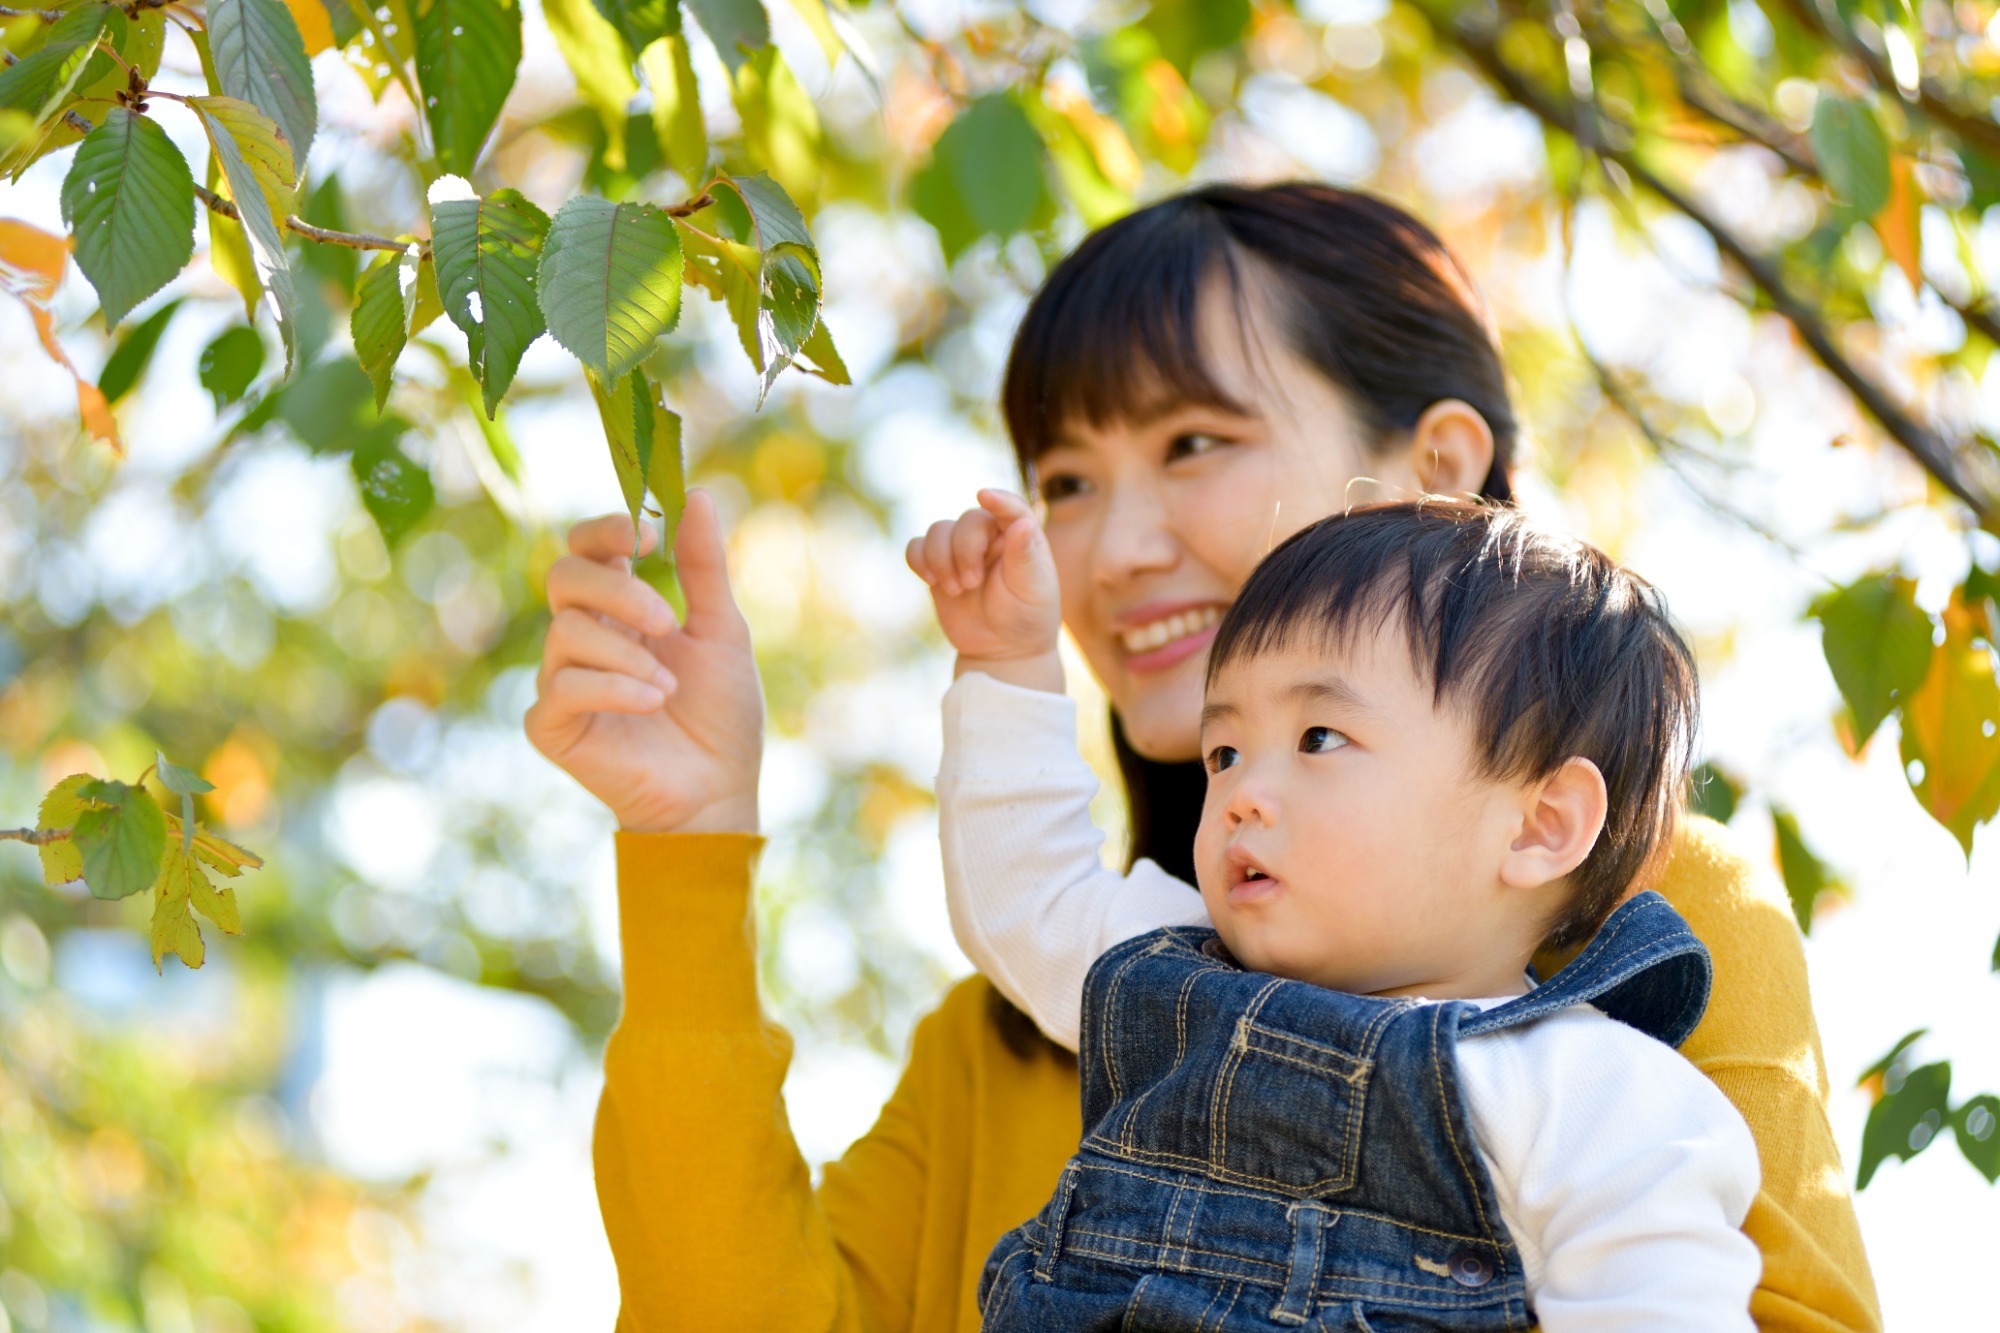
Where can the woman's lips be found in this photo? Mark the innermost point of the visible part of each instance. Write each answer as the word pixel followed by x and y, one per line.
pixel 1169 639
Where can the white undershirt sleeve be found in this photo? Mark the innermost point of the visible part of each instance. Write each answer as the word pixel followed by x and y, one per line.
pixel 1031 901
pixel 1622 1172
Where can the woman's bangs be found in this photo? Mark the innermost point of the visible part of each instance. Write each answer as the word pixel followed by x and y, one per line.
pixel 1114 334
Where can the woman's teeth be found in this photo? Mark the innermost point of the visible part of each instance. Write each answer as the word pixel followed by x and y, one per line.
pixel 1162 632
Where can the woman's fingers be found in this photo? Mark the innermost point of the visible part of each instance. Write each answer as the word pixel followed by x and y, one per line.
pixel 583 583
pixel 579 639
pixel 704 567
pixel 574 691
pixel 609 537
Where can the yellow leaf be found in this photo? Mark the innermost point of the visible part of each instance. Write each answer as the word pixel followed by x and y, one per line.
pixel 174 930
pixel 1899 222
pixel 218 905
pixel 229 249
pixel 816 17
pixel 262 147
pixel 62 861
pixel 1115 155
pixel 1951 726
pixel 313 23
pixel 224 855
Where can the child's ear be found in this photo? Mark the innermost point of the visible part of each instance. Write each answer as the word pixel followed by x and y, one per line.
pixel 1561 817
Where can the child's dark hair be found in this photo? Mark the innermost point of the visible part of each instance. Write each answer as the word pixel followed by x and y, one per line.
pixel 1546 646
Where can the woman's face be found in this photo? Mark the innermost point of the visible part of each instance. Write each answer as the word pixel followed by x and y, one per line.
pixel 1156 524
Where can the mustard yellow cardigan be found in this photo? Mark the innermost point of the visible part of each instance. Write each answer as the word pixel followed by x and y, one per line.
pixel 716 1225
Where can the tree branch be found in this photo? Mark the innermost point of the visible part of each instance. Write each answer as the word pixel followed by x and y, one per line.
pixel 1925 446
pixel 45 15
pixel 352 240
pixel 1931 100
pixel 39 837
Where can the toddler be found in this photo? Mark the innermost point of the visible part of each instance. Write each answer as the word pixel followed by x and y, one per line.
pixel 1325 1091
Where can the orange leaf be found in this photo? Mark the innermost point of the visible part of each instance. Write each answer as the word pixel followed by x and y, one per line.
pixel 1951 725
pixel 313 23
pixel 33 261
pixel 1899 222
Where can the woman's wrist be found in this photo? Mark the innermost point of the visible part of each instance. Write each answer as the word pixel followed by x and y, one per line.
pixel 736 814
pixel 1032 671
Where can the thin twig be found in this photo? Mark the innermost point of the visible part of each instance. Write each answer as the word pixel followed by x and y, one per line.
pixel 45 15
pixel 40 837
pixel 1930 450
pixel 691 207
pixel 352 240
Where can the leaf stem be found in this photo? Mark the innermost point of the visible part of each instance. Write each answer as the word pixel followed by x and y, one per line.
pixel 352 240
pixel 40 837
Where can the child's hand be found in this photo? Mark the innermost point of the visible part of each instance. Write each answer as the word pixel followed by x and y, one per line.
pixel 993 583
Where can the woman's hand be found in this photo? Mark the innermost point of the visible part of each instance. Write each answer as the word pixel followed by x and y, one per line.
pixel 993 583
pixel 662 722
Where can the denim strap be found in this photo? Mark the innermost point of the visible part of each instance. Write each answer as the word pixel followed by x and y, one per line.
pixel 1311 1220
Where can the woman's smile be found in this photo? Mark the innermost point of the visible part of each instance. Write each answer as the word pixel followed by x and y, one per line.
pixel 1160 634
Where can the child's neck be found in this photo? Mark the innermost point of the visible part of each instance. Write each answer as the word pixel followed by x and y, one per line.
pixel 1481 979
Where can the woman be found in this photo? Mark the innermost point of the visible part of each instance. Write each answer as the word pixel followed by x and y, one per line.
pixel 1197 381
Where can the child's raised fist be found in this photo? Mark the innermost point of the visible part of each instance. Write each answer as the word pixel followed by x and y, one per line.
pixel 993 583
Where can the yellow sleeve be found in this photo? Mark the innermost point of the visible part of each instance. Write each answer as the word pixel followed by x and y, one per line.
pixel 1760 1045
pixel 707 1203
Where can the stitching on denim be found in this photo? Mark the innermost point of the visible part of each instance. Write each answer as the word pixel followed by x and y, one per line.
pixel 1108 1027
pixel 1431 1266
pixel 1214 1170
pixel 1232 1268
pixel 1235 1290
pixel 1058 1221
pixel 1225 1083
pixel 1132 1305
pixel 1448 1109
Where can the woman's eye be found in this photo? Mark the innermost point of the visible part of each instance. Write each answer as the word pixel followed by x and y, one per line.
pixel 1318 739
pixel 1221 757
pixel 1193 444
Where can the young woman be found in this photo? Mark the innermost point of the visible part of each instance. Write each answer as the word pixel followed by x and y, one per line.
pixel 1196 382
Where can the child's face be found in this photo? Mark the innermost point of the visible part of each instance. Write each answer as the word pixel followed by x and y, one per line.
pixel 1348 837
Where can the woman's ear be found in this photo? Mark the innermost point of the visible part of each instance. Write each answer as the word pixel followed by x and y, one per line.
pixel 1560 820
pixel 1450 449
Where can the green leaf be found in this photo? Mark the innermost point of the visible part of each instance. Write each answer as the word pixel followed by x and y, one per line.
pixel 610 282
pixel 384 301
pixel 260 58
pixel 331 409
pixel 737 27
pixel 173 928
pixel 186 784
pixel 677 119
pixel 825 358
pixel 122 838
pixel 1976 1125
pixel 770 271
pixel 128 361
pixel 640 23
pixel 666 476
pixel 1878 644
pixel 596 55
pixel 467 55
pixel 1853 152
pixel 1189 29
pixel 486 252
pixel 1907 1118
pixel 129 197
pixel 395 491
pixel 230 363
pixel 985 177
pixel 258 166
pixel 1714 794
pixel 61 808
pixel 41 82
pixel 104 78
pixel 1806 876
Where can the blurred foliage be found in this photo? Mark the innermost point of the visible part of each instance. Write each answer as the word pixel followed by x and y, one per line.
pixel 316 581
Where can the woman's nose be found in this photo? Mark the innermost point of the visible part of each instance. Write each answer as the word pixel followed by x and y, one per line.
pixel 1136 537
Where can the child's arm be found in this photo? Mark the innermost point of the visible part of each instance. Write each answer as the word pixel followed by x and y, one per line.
pixel 1623 1173
pixel 1031 902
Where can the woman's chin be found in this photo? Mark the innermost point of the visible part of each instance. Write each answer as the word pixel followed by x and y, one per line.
pixel 1162 722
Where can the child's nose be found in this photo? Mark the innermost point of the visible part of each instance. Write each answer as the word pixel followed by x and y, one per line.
pixel 1251 801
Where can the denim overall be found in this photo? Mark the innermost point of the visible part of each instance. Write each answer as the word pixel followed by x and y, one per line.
pixel 1263 1154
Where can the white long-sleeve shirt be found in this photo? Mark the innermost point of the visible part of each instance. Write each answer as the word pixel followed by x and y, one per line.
pixel 1623 1175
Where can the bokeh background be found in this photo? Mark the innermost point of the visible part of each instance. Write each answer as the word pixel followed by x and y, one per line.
pixel 372 1110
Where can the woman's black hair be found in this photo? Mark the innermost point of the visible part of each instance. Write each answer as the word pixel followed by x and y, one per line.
pixel 1364 293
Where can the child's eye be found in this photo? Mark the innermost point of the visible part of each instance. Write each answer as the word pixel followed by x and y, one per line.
pixel 1318 739
pixel 1060 486
pixel 1221 757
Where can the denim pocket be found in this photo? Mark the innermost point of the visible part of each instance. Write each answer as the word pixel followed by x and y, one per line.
pixel 1289 1112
